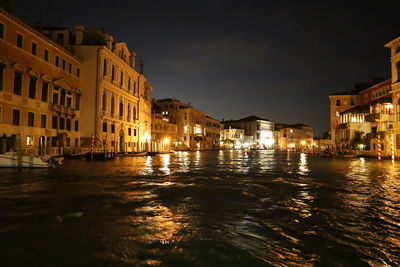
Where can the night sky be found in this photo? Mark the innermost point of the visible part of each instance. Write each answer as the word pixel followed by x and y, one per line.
pixel 275 59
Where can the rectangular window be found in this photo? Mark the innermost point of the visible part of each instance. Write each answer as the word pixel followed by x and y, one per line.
pixel 78 72
pixel 1 114
pixel 112 128
pixel 32 87
pixel 43 121
pixel 1 31
pixel 70 68
pixel 45 91
pixel 20 40
pixel 57 61
pixel 62 123
pixel 55 98
pixel 76 125
pixel 31 119
pixel 129 131
pixel 34 49
pixel 2 68
pixel 63 64
pixel 16 117
pixel 69 102
pixel 337 102
pixel 104 127
pixel 29 140
pixel 134 132
pixel 129 83
pixel 46 55
pixel 68 126
pixel 54 141
pixel 62 97
pixel 54 122
pixel 17 83
pixel 77 101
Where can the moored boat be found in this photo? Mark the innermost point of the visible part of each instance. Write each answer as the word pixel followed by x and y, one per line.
pixel 13 160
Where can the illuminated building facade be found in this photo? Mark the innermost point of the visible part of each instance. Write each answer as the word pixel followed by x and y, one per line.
pixel 192 125
pixel 116 106
pixel 394 135
pixel 232 138
pixel 261 130
pixel 164 135
pixel 213 131
pixel 294 137
pixel 40 90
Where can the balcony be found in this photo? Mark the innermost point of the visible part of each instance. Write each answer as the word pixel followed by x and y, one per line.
pixel 378 117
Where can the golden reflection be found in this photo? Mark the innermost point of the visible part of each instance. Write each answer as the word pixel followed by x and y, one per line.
pixel 166 159
pixel 149 165
pixel 183 159
pixel 303 165
pixel 197 158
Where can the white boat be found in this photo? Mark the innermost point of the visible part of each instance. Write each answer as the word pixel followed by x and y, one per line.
pixel 12 160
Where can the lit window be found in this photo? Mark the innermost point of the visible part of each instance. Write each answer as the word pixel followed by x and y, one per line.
pixel 29 140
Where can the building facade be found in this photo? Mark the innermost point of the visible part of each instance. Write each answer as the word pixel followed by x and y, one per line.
pixel 296 137
pixel 117 101
pixel 40 90
pixel 232 138
pixel 213 131
pixel 164 135
pixel 261 130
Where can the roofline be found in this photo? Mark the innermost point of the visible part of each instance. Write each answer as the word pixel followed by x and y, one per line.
pixel 38 33
pixel 389 44
pixel 389 81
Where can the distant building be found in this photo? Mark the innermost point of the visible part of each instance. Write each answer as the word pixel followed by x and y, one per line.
pixel 192 125
pixel 116 106
pixel 261 130
pixel 232 138
pixel 164 134
pixel 295 137
pixel 40 90
pixel 213 131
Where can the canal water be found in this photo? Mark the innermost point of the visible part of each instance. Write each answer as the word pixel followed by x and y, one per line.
pixel 203 209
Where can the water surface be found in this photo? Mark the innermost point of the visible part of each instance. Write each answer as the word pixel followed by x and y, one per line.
pixel 203 209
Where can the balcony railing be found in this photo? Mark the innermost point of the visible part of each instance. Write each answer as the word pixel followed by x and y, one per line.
pixel 378 117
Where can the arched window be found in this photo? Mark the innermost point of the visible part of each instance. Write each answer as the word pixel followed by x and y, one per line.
pixel 112 106
pixel 104 67
pixel 112 73
pixel 104 101
pixel 121 109
pixel 129 112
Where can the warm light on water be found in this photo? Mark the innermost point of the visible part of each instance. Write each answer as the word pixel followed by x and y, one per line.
pixel 203 209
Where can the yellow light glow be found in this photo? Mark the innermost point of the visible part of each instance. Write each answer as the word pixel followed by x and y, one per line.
pixel 303 143
pixel 166 140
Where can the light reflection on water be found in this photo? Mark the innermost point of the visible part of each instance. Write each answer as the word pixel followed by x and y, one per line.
pixel 204 208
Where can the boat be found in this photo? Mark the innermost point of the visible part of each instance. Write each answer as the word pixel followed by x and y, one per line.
pixel 13 160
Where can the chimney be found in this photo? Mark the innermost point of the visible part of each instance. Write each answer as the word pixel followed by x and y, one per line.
pixel 109 40
pixel 132 59
pixel 79 31
pixel 141 63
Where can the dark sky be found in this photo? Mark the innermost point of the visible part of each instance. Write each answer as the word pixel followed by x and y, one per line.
pixel 275 59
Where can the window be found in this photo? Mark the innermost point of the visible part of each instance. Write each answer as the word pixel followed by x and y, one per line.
pixel 17 83
pixel 112 73
pixel 69 101
pixel 112 106
pixel 134 132
pixel 34 49
pixel 32 87
pixel 45 91
pixel 54 141
pixel 62 123
pixel 121 81
pixel 78 72
pixel 337 102
pixel 55 98
pixel 129 83
pixel 104 67
pixel 129 131
pixel 69 67
pixel 104 106
pixel 68 126
pixel 77 101
pixel 62 97
pixel 1 114
pixel 104 127
pixel 29 140
pixel 63 64
pixel 31 119
pixel 112 128
pixel 1 31
pixel 2 67
pixel 20 40
pixel 76 126
pixel 398 71
pixel 16 117
pixel 46 55
pixel 57 61
pixel 43 121
pixel 54 122
pixel 121 109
